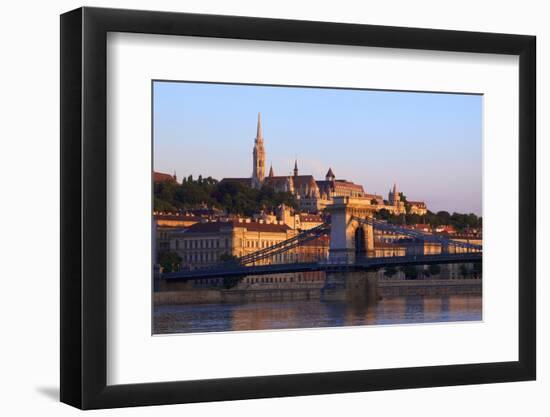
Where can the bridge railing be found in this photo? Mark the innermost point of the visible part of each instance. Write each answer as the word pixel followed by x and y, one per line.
pixel 286 245
pixel 424 236
pixel 333 264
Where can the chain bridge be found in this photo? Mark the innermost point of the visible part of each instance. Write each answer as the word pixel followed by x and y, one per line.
pixel 352 248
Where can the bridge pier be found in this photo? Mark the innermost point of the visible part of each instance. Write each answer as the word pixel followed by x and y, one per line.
pixel 351 286
pixel 350 239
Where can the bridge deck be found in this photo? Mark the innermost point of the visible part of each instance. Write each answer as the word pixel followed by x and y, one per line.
pixel 365 264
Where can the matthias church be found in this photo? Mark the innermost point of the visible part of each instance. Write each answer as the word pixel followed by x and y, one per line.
pixel 314 195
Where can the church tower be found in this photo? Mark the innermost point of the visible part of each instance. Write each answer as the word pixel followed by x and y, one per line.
pixel 393 196
pixel 258 169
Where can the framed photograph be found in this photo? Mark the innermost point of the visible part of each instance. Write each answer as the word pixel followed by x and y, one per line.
pixel 258 208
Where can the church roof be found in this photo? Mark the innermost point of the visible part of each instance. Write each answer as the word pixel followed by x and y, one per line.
pixel 243 181
pixel 276 179
pixel 330 174
pixel 162 177
pixel 303 180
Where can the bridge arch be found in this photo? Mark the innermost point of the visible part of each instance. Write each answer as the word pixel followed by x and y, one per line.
pixel 349 238
pixel 360 241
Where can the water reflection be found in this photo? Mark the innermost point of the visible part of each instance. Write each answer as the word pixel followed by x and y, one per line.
pixel 198 318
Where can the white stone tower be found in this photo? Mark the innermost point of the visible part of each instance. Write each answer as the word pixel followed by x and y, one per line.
pixel 393 196
pixel 258 169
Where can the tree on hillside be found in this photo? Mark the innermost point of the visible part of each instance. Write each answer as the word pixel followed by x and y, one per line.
pixel 383 214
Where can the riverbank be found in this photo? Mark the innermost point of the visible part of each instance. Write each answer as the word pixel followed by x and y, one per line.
pixel 385 289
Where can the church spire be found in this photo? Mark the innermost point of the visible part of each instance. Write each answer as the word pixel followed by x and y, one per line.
pixel 296 167
pixel 258 155
pixel 271 174
pixel 259 133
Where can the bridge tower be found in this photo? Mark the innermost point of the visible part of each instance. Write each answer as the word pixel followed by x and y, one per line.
pixel 350 239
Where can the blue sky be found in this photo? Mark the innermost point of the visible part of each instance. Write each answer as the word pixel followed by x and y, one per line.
pixel 429 143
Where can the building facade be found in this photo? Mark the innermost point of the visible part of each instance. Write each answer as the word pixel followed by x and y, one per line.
pixel 208 243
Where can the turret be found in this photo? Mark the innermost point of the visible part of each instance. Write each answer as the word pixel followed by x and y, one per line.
pixel 393 196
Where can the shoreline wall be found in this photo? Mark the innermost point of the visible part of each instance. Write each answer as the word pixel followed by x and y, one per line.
pixel 385 289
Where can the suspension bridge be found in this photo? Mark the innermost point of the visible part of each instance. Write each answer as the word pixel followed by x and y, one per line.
pixel 352 248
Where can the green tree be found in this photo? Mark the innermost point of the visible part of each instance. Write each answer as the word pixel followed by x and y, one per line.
pixel 444 217
pixel 170 261
pixel 477 270
pixel 230 282
pixel 390 271
pixel 410 271
pixel 434 269
pixel 403 198
pixel 226 257
pixel 161 205
pixel 383 214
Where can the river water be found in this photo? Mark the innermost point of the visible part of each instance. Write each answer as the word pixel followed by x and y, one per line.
pixel 222 317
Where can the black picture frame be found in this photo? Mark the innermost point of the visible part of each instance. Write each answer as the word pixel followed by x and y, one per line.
pixel 84 207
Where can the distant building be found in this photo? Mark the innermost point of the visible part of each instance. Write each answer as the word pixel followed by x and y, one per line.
pixel 175 220
pixel 418 207
pixel 162 177
pixel 423 227
pixel 210 242
pixel 299 221
pixel 166 223
pixel 394 203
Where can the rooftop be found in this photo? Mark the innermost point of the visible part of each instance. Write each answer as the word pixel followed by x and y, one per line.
pixel 162 177
pixel 215 227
